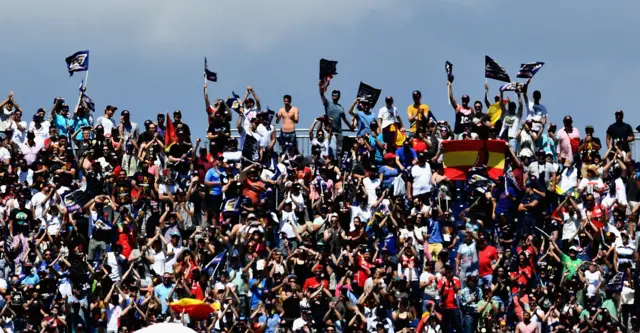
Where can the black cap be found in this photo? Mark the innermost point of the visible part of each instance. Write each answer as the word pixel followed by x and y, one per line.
pixel 417 93
pixel 177 112
pixel 388 99
pixel 125 113
pixel 147 123
pixel 567 118
pixel 160 115
pixel 111 107
pixel 335 92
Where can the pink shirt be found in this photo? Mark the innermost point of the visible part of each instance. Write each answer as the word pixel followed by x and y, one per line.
pixel 564 144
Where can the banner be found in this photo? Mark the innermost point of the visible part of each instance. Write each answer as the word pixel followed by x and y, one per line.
pixel 512 86
pixel 369 93
pixel 170 133
pixel 528 70
pixel 78 62
pixel 195 308
pixel 492 70
pixel 75 200
pixel 460 156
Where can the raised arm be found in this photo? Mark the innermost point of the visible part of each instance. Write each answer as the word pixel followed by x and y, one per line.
pixel 454 104
pixel 206 97
pixel 322 91
pixel 486 95
pixel 255 96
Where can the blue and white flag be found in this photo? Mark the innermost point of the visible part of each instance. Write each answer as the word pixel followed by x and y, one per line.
pixel 78 62
pixel 527 71
pixel 211 76
pixel 511 86
pixel 216 260
pixel 616 283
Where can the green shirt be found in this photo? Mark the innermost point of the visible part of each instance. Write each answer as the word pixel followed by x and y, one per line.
pixel 486 310
pixel 569 264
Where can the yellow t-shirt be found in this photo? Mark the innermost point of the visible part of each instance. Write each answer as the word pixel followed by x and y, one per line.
pixel 495 113
pixel 419 113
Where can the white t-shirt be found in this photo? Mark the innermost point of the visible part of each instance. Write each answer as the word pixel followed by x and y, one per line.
pixel 113 317
pixel 371 185
pixel 112 261
pixel 569 179
pixel 168 266
pixel 42 133
pixel 248 116
pixel 159 261
pixel 536 113
pixel 287 227
pixel 19 137
pixel 421 179
pixel 265 135
pixel 388 116
pixel 4 117
pixel 511 124
pixel 324 146
pixel 107 123
pixel 593 279
pixel 570 225
pixel 537 169
pixel 363 214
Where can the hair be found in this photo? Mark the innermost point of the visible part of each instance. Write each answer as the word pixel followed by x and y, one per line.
pixel 477 102
pixel 287 97
pixel 537 95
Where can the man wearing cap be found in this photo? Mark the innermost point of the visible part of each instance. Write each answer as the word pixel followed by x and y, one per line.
pixel 544 171
pixel 179 125
pixel 464 113
pixel 620 133
pixel 417 112
pixel 589 145
pixel 568 140
pixel 250 107
pixel 570 263
pixel 363 115
pixel 129 129
pixel 387 116
pixel 335 112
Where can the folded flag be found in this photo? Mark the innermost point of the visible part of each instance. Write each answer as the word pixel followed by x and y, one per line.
pixel 328 68
pixel 88 102
pixel 494 71
pixel 460 156
pixel 448 67
pixel 512 86
pixel 170 133
pixel 195 308
pixel 528 70
pixel 369 93
pixel 78 62
pixel 211 76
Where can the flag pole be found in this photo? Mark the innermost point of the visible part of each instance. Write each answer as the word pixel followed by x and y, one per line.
pixel 86 78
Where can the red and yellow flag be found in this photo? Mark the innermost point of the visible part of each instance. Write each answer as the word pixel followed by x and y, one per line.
pixel 461 155
pixel 170 134
pixel 195 308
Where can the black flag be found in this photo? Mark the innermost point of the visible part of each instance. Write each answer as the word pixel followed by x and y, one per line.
pixel 493 71
pixel 369 93
pixel 211 76
pixel 448 67
pixel 327 71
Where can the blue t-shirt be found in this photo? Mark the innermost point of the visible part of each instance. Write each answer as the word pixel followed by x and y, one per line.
pixel 215 177
pixel 364 120
pixel 335 112
pixel 374 145
pixel 549 146
pixel 162 292
pixel 61 122
pixel 271 322
pixel 389 242
pixel 435 234
pixel 257 291
pixel 401 155
pixel 503 203
pixel 389 174
pixel 80 122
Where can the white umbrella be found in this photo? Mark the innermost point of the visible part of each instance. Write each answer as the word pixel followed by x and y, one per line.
pixel 166 327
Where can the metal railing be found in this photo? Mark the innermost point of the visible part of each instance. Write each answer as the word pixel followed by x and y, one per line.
pixel 304 142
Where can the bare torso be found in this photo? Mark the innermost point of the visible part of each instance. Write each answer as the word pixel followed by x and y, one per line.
pixel 289 119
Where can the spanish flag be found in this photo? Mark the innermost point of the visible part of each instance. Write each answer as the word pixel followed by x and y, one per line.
pixel 195 308
pixel 393 135
pixel 462 155
pixel 170 134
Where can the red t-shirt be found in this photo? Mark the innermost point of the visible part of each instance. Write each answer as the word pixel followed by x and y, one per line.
pixel 448 299
pixel 485 257
pixel 364 272
pixel 419 145
pixel 527 272
pixel 196 290
pixel 598 216
pixel 312 282
pixel 304 174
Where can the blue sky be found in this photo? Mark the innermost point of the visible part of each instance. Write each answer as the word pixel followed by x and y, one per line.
pixel 147 56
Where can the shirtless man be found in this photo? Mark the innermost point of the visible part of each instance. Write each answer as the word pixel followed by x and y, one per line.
pixel 289 116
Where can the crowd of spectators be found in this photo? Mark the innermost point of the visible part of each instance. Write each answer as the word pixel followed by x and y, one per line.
pixel 106 223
